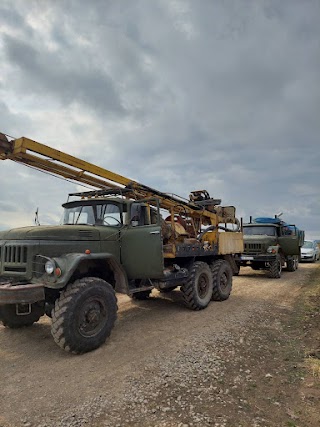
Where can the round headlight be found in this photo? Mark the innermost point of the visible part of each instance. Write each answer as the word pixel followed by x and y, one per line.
pixel 49 267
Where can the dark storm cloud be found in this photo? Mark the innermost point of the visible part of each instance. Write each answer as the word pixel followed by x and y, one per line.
pixel 10 16
pixel 46 73
pixel 87 62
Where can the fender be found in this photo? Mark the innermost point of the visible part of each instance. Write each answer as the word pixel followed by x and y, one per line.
pixel 66 266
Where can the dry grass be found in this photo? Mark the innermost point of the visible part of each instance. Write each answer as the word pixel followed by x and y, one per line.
pixel 313 366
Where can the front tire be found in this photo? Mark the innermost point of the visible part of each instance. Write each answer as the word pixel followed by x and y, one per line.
pixel 197 291
pixel 275 268
pixel 222 280
pixel 11 319
pixel 84 315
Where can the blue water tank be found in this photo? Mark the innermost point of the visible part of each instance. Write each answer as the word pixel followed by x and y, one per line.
pixel 266 220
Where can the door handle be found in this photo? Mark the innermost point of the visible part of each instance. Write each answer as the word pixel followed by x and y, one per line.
pixel 154 232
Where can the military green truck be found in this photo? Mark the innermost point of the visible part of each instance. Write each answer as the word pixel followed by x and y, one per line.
pixel 126 238
pixel 271 244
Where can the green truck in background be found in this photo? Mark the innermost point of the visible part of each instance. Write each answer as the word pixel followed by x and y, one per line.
pixel 271 244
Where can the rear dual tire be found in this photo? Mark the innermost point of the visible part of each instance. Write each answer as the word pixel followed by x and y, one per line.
pixel 197 290
pixel 293 263
pixel 206 283
pixel 222 280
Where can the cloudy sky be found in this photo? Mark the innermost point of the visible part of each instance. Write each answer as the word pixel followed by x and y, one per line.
pixel 181 95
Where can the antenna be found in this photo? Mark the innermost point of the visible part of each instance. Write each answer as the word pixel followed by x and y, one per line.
pixel 36 217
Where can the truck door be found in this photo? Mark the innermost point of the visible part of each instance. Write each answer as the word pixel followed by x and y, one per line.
pixel 289 240
pixel 141 243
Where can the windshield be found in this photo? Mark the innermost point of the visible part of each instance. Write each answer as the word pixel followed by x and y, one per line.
pixel 308 245
pixel 259 231
pixel 96 214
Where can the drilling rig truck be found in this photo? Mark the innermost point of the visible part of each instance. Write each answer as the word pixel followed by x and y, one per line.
pixel 120 237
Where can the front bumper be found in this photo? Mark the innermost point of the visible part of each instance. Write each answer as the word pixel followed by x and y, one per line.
pixel 244 258
pixel 21 294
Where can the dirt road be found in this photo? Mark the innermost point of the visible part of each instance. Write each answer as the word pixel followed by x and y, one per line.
pixel 165 365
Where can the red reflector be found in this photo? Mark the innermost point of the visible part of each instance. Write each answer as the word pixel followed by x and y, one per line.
pixel 58 272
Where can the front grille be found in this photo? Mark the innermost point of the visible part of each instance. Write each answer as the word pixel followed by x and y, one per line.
pixel 14 258
pixel 253 247
pixel 15 254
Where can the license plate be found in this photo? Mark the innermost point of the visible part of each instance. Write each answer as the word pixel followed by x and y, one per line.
pixel 246 258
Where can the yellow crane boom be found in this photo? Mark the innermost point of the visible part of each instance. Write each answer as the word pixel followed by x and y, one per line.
pixel 44 158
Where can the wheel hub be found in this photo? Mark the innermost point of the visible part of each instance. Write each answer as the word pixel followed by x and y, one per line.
pixel 203 286
pixel 223 281
pixel 92 318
